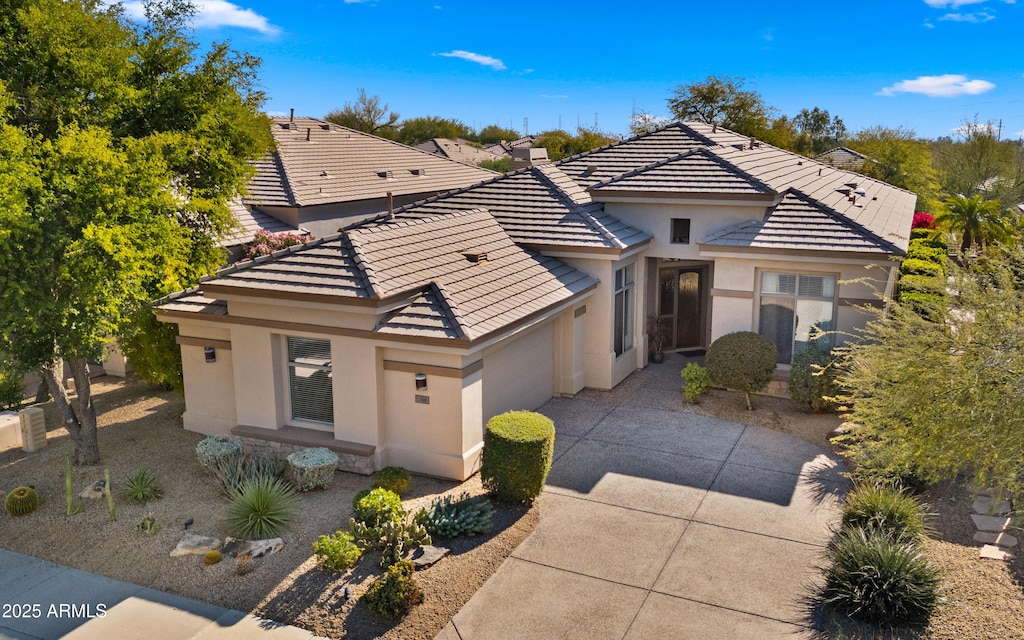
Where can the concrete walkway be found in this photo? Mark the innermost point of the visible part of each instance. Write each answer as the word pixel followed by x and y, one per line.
pixel 40 600
pixel 658 522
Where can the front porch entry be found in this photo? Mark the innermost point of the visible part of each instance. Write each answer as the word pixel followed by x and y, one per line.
pixel 683 305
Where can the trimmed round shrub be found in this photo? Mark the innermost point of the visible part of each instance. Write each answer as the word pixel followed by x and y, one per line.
pixel 394 593
pixel 312 468
pixel 923 284
pixel 921 250
pixel 518 447
pixel 214 449
pixel 377 507
pixel 887 509
pixel 743 360
pixel 261 509
pixel 696 382
pixel 811 379
pixel 21 501
pixel 918 267
pixel 395 479
pixel 874 578
pixel 337 552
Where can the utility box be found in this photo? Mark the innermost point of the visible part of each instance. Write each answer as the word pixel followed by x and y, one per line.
pixel 33 429
pixel 10 431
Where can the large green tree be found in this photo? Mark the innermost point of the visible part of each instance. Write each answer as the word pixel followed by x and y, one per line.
pixel 416 130
pixel 493 133
pixel 368 115
pixel 121 145
pixel 976 160
pixel 818 131
pixel 561 144
pixel 723 100
pixel 898 157
pixel 975 220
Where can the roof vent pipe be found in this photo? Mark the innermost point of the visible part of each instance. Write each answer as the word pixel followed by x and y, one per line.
pixel 752 143
pixel 714 127
pixel 291 116
pixel 308 129
pixel 391 207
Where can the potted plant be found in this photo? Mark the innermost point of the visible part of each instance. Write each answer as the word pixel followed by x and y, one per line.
pixel 658 332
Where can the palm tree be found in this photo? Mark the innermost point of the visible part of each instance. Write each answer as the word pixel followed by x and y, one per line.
pixel 978 221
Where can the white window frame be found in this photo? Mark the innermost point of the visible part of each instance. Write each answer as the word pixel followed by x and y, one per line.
pixel 290 366
pixel 623 308
pixel 795 297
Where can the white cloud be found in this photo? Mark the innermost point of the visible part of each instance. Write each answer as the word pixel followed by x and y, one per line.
pixel 554 97
pixel 955 4
pixel 979 16
pixel 945 86
pixel 211 14
pixel 478 58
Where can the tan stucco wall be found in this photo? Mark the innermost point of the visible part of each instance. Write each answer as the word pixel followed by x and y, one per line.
pixel 656 219
pixel 209 389
pixel 519 374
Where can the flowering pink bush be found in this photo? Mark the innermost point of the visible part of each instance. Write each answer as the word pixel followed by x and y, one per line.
pixel 267 242
pixel 923 220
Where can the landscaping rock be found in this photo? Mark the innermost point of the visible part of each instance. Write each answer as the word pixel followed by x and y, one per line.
pixel 841 430
pixel 95 491
pixel 193 545
pixel 992 552
pixel 426 555
pixel 999 539
pixel 233 547
pixel 990 523
pixel 985 506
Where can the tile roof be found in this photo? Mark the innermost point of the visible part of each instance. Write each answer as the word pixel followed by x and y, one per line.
pixel 798 222
pixel 842 157
pixel 537 206
pixel 695 172
pixel 461 150
pixel 192 301
pixel 249 222
pixel 337 164
pixel 450 294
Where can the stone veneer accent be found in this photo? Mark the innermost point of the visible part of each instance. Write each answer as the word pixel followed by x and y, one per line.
pixel 346 461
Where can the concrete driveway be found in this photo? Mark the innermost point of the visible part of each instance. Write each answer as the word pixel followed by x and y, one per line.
pixel 659 522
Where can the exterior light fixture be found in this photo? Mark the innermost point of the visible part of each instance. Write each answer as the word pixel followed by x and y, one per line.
pixel 421 382
pixel 210 353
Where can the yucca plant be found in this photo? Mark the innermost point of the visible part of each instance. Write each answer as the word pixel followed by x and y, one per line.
pixel 261 508
pixel 873 578
pixel 141 486
pixel 892 511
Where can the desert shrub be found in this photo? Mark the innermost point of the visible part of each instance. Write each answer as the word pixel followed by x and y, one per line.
pixel 395 479
pixel 883 507
pixel 212 557
pixel 450 517
pixel 394 593
pixel 518 447
pixel 21 501
pixel 696 381
pixel 874 578
pixel 337 552
pixel 141 486
pixel 919 267
pixel 215 448
pixel 922 250
pixel 245 565
pixel 312 468
pixel 378 506
pixel 362 493
pixel 743 360
pixel 237 470
pixel 812 379
pixel 930 306
pixel 12 387
pixel 935 285
pixel 391 537
pixel 261 508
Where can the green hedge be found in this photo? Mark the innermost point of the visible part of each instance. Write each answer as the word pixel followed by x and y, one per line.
pixel 922 284
pixel 920 249
pixel 919 267
pixel 518 447
pixel 929 306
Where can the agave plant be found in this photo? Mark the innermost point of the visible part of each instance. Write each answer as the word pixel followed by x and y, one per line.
pixel 261 508
pixel 141 486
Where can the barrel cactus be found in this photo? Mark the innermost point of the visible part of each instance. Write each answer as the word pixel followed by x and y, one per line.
pixel 21 501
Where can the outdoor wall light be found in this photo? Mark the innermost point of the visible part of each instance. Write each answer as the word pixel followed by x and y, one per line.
pixel 421 382
pixel 210 353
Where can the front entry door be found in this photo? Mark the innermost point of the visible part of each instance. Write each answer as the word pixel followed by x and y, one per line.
pixel 681 300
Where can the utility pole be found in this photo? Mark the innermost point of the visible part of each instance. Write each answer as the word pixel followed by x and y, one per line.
pixel 999 134
pixel 526 126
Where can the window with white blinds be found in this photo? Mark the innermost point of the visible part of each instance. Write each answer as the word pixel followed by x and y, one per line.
pixel 309 380
pixel 794 308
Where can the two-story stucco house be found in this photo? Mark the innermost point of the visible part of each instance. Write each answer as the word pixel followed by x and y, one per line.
pixel 395 340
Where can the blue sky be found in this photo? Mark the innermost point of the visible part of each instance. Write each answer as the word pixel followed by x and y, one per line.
pixel 922 64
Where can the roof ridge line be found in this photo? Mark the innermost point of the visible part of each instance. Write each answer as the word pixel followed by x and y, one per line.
pixel 364 266
pixel 244 265
pixel 452 310
pixel 645 134
pixel 839 217
pixel 711 154
pixel 646 167
pixel 386 224
pixel 588 219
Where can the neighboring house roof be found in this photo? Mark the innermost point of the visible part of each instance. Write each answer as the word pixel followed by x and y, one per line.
pixel 450 294
pixel 316 162
pixel 252 220
pixel 842 157
pixel 537 206
pixel 798 222
pixel 504 148
pixel 460 150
